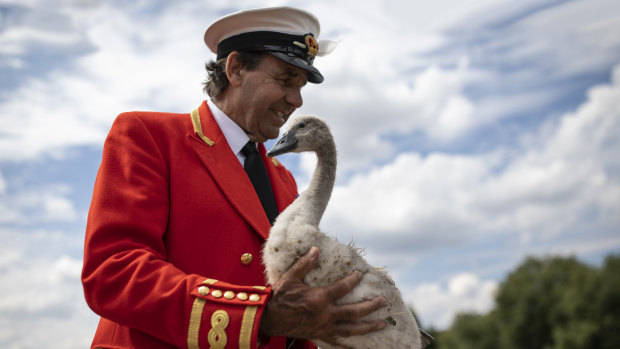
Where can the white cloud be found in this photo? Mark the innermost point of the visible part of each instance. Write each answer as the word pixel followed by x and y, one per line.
pixel 30 28
pixel 432 103
pixel 14 40
pixel 76 106
pixel 46 295
pixel 41 289
pixel 578 27
pixel 514 64
pixel 37 205
pixel 2 184
pixel 412 89
pixel 540 190
pixel 436 304
pixel 52 277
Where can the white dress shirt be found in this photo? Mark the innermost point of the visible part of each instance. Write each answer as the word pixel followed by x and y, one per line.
pixel 235 136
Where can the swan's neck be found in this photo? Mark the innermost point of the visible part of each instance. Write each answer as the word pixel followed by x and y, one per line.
pixel 310 205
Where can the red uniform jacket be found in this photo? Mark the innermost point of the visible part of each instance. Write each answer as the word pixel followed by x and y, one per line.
pixel 174 235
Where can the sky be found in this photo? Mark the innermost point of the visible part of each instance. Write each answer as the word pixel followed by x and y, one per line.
pixel 471 135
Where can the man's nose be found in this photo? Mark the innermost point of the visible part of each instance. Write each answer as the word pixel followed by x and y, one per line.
pixel 293 98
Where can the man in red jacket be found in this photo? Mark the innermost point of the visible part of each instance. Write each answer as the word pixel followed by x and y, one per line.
pixel 176 225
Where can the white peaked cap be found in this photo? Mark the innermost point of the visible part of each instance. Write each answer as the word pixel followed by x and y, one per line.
pixel 287 33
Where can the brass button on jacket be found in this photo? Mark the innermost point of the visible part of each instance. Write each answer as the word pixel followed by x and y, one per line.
pixel 246 258
pixel 229 295
pixel 203 290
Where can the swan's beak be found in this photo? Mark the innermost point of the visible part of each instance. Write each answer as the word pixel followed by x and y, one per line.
pixel 287 143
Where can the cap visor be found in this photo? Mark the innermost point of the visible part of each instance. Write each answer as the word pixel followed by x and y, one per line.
pixel 314 75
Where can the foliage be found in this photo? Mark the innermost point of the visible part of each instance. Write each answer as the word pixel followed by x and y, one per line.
pixel 469 331
pixel 548 303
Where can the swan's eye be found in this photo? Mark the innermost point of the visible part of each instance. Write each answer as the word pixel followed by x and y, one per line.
pixel 302 125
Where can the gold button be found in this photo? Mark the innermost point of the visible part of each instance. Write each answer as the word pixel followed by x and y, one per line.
pixel 246 258
pixel 203 290
pixel 216 293
pixel 254 298
pixel 242 295
pixel 229 295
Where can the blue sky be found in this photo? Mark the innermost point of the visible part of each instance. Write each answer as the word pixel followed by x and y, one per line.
pixel 471 134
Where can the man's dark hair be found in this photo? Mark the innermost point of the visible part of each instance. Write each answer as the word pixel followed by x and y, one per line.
pixel 217 81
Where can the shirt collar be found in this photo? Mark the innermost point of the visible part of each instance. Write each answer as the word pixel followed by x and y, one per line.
pixel 235 136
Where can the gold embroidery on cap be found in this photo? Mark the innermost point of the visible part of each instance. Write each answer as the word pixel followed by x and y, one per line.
pixel 313 46
pixel 299 44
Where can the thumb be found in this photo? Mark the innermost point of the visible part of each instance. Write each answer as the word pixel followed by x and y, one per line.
pixel 304 264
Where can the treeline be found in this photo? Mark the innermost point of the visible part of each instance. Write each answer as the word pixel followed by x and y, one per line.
pixel 550 303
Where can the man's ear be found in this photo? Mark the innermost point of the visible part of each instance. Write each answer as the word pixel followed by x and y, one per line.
pixel 234 69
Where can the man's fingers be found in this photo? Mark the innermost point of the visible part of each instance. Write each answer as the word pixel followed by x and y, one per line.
pixel 342 287
pixel 358 328
pixel 304 264
pixel 356 311
pixel 352 329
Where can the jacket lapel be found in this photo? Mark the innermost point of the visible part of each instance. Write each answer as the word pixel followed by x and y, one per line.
pixel 227 172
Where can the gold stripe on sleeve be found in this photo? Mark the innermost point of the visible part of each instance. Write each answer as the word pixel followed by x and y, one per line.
pixel 247 324
pixel 194 323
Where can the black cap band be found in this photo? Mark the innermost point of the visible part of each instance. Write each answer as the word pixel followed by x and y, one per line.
pixel 298 50
pixel 266 41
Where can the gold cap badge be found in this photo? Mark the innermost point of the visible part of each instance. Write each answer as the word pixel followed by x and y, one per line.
pixel 313 46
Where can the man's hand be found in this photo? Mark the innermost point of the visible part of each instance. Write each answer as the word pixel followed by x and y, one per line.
pixel 299 311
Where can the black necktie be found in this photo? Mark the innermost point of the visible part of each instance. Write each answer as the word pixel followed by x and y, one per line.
pixel 255 169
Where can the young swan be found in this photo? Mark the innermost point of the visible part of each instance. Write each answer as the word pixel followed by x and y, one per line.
pixel 296 230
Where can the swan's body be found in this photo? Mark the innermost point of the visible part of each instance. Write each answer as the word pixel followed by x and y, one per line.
pixel 296 230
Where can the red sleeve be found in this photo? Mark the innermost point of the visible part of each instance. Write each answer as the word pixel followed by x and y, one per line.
pixel 126 277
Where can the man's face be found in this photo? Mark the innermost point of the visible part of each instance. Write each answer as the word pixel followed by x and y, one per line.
pixel 267 97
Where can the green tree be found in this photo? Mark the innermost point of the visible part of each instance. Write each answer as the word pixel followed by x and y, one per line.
pixel 605 306
pixel 546 303
pixel 470 331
